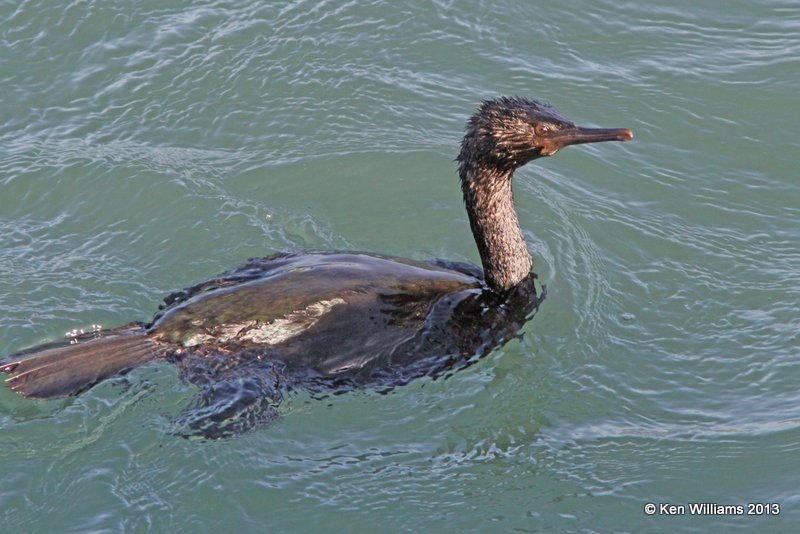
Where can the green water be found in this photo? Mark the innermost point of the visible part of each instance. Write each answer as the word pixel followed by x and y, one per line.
pixel 146 146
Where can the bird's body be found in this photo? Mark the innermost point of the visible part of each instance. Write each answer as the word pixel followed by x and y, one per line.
pixel 337 319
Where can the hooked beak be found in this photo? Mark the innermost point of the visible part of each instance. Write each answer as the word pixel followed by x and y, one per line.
pixel 577 135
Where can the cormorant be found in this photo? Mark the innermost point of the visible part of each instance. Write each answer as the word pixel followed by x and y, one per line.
pixel 337 320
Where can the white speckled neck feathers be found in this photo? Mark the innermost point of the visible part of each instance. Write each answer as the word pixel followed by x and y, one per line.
pixel 493 218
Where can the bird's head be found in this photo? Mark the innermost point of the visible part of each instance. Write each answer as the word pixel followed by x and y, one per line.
pixel 506 133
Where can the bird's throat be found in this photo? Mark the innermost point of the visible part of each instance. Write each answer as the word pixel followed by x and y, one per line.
pixel 492 215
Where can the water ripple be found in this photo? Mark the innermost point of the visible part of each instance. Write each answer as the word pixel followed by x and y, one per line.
pixel 147 146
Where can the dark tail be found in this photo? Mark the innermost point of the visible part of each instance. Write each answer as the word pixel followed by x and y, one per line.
pixel 70 369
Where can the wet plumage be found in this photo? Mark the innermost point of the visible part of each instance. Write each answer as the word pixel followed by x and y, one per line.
pixel 324 321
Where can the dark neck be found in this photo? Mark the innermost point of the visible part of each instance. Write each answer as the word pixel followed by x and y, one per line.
pixel 495 226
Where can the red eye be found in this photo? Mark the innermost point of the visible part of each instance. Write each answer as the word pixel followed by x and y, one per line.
pixel 542 129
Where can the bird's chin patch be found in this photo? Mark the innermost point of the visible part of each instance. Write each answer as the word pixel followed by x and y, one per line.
pixel 549 151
